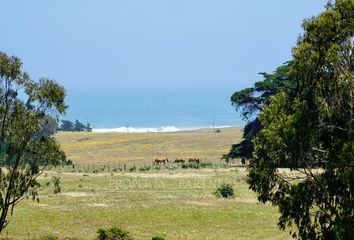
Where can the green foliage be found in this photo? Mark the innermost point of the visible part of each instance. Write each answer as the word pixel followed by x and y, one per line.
pixel 310 125
pixel 225 191
pixel 158 238
pixel 66 125
pixel 113 234
pixel 144 168
pixel 49 126
pixel 56 184
pixel 49 238
pixel 77 126
pixel 54 238
pixel 132 169
pixel 26 127
pixel 251 101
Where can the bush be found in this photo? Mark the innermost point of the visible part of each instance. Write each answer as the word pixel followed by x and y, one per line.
pixel 117 169
pixel 225 191
pixel 132 169
pixel 158 238
pixel 157 167
pixel 171 167
pixel 49 238
pixel 144 168
pixel 56 184
pixel 191 165
pixel 99 170
pixel 54 238
pixel 206 165
pixel 112 234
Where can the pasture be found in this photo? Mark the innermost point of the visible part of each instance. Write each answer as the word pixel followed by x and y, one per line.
pixel 173 202
pixel 178 204
pixel 142 148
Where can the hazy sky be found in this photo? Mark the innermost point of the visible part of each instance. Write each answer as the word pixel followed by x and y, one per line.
pixel 152 45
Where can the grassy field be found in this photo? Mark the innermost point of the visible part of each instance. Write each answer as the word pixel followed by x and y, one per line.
pixel 178 204
pixel 143 148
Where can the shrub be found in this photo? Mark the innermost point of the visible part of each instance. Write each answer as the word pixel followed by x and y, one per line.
pixel 54 238
pixel 56 184
pixel 225 191
pixel 112 234
pixel 132 169
pixel 144 168
pixel 117 169
pixel 206 165
pixel 99 170
pixel 171 167
pixel 158 238
pixel 157 167
pixel 191 165
pixel 49 238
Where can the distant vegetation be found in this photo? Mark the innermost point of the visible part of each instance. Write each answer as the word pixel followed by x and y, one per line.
pixel 77 126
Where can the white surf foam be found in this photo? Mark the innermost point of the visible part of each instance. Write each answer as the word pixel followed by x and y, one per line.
pixel 152 130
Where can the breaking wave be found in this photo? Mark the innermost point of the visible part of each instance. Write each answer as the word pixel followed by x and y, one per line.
pixel 152 130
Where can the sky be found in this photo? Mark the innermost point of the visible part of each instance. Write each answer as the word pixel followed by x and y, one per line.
pixel 120 46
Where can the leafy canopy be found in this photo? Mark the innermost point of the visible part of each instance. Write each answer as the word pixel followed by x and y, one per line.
pixel 26 127
pixel 251 101
pixel 312 126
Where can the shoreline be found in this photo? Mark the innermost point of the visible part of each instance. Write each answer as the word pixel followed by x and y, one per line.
pixel 164 129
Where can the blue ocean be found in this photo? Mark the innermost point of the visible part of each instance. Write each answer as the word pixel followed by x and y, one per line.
pixel 152 112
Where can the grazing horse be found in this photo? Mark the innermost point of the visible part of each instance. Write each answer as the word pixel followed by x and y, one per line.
pixel 195 160
pixel 159 161
pixel 179 160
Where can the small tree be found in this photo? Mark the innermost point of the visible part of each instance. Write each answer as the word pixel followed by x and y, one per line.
pixel 26 146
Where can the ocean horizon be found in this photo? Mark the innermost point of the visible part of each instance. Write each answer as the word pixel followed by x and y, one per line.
pixel 152 112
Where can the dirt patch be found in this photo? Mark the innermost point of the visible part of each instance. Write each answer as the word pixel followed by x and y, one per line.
pixel 166 175
pixel 102 205
pixel 198 203
pixel 74 194
pixel 246 200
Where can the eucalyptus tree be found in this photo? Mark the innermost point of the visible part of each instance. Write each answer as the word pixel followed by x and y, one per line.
pixel 26 145
pixel 312 125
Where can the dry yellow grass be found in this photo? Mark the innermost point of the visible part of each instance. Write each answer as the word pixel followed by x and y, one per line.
pixel 139 148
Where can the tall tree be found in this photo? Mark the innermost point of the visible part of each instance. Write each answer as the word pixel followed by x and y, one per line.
pixel 79 126
pixel 251 101
pixel 26 147
pixel 66 125
pixel 314 124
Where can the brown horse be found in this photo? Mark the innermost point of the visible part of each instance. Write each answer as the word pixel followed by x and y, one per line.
pixel 179 160
pixel 195 160
pixel 159 161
